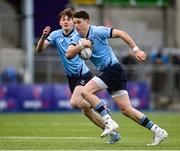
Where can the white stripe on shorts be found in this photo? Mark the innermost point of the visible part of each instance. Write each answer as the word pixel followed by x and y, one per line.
pixel 100 83
pixel 119 93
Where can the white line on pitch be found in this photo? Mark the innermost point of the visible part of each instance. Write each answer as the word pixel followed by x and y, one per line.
pixel 45 138
pixel 42 124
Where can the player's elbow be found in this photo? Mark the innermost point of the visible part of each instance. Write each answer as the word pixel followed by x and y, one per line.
pixel 122 34
pixel 37 50
pixel 69 54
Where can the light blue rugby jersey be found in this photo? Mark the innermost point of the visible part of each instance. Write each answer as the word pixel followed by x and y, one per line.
pixel 102 54
pixel 73 66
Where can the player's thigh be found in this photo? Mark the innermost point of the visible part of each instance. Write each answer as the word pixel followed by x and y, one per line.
pixel 92 87
pixel 76 97
pixel 77 92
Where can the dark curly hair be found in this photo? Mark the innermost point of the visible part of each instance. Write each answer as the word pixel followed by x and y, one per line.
pixel 67 12
pixel 82 14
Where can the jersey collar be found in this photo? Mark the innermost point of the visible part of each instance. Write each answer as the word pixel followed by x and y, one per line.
pixel 88 32
pixel 68 34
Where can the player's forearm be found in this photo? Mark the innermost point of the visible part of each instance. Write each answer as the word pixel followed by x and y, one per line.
pixel 125 37
pixel 40 45
pixel 72 51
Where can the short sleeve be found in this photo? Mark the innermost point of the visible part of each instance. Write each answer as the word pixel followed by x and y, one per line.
pixel 51 38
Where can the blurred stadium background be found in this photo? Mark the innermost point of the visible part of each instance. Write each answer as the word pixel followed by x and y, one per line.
pixel 36 82
pixel 34 85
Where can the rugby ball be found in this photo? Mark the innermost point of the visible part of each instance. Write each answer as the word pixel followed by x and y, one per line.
pixel 85 53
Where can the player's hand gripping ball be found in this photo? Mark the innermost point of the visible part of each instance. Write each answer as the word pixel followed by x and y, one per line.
pixel 86 52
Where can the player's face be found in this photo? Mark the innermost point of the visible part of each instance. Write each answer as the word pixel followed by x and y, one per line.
pixel 81 25
pixel 66 23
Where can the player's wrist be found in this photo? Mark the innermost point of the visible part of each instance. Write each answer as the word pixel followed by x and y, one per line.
pixel 44 36
pixel 136 48
pixel 80 44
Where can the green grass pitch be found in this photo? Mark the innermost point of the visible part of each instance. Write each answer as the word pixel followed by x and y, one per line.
pixel 72 131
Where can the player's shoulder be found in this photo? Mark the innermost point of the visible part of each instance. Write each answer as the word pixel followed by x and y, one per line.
pixel 76 35
pixel 97 29
pixel 56 33
pixel 74 32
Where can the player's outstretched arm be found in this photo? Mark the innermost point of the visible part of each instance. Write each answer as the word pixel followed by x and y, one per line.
pixel 124 36
pixel 139 54
pixel 43 43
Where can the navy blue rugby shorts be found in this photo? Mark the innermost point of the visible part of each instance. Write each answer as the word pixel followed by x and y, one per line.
pixel 79 80
pixel 115 77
